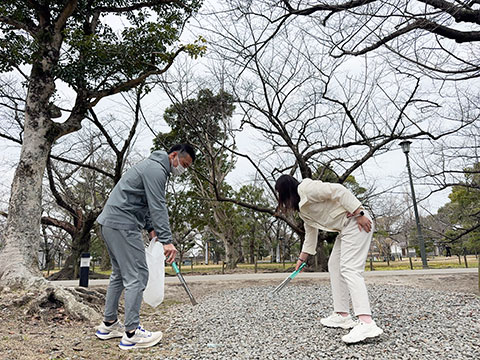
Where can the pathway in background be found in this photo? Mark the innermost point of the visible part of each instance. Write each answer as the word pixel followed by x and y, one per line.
pixel 279 276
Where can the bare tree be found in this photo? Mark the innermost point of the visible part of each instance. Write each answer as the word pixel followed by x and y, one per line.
pixel 66 42
pixel 82 169
pixel 316 115
pixel 437 36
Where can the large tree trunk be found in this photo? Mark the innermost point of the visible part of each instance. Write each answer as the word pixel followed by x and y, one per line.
pixel 19 256
pixel 231 256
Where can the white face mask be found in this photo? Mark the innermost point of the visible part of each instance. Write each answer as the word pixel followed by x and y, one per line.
pixel 179 169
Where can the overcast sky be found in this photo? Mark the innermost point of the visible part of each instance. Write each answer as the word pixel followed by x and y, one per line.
pixel 382 172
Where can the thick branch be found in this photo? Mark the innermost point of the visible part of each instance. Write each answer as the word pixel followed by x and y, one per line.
pixel 67 11
pixel 326 7
pixel 270 211
pixel 130 84
pixel 430 26
pixel 146 4
pixel 47 220
pixel 69 228
pixel 460 14
pixel 17 24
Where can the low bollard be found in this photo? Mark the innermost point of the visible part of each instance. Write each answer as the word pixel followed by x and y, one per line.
pixel 84 269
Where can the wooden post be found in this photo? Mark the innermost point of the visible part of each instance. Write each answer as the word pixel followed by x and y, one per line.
pixel 371 264
pixel 411 264
pixel 223 266
pixel 465 258
pixel 255 259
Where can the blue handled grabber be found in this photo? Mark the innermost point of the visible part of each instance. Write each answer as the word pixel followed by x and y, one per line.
pixel 287 280
pixel 184 284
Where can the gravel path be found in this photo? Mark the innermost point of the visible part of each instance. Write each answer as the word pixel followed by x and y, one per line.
pixel 246 324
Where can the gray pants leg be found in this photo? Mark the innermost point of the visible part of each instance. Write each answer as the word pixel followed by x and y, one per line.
pixel 129 272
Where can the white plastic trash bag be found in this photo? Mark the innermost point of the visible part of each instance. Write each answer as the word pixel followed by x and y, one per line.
pixel 154 292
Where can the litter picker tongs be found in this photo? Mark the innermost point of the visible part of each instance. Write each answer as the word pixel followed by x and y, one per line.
pixel 287 280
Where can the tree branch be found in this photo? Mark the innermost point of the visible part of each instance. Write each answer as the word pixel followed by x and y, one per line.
pixel 326 7
pixel 67 11
pixel 146 4
pixel 430 26
pixel 460 14
pixel 69 228
pixel 11 138
pixel 47 220
pixel 81 164
pixel 58 198
pixel 130 84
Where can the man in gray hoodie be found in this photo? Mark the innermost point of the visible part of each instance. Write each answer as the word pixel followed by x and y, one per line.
pixel 137 202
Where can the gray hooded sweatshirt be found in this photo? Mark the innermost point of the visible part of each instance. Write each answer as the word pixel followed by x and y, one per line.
pixel 138 200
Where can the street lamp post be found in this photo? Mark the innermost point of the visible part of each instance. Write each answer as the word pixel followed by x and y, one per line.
pixel 406 149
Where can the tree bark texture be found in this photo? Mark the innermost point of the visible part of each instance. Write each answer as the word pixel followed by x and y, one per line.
pixel 19 256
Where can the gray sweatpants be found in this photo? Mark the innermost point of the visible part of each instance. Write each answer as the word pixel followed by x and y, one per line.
pixel 129 272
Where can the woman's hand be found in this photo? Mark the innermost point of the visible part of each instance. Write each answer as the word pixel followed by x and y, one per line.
pixel 364 223
pixel 303 257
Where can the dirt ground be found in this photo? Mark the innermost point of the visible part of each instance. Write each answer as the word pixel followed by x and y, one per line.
pixel 52 335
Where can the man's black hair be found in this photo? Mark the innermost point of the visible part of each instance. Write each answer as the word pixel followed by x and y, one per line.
pixel 183 148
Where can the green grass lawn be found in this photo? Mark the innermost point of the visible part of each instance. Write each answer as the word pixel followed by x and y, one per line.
pixel 433 263
pixel 439 262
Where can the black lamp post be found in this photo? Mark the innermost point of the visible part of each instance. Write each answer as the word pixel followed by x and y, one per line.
pixel 406 149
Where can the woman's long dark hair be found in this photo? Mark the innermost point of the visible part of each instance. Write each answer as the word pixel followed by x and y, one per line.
pixel 288 198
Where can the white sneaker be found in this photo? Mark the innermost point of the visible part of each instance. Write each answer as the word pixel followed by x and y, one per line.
pixel 338 321
pixel 362 331
pixel 141 339
pixel 105 332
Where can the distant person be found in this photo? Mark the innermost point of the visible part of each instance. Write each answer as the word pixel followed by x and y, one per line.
pixel 448 250
pixel 332 207
pixel 137 202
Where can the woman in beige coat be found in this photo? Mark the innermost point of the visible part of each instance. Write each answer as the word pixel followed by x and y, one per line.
pixel 332 207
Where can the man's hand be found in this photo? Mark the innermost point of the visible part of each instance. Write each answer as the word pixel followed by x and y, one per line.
pixel 170 252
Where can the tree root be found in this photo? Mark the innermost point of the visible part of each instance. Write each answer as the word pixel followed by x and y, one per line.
pixel 50 301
